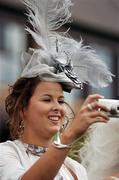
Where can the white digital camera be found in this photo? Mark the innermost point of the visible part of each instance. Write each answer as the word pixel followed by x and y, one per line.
pixel 113 105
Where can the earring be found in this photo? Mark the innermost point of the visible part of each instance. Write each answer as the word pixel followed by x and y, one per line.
pixel 64 124
pixel 21 128
pixel 68 117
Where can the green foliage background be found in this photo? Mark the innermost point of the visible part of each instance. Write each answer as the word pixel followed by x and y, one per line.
pixel 74 152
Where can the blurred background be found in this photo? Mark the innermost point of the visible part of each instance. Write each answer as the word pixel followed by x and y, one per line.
pixel 94 21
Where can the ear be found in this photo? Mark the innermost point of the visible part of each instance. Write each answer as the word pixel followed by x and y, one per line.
pixel 22 114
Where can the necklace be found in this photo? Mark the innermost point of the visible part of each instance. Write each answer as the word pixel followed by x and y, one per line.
pixel 38 151
pixel 34 149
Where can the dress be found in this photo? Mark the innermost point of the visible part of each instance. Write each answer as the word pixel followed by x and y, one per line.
pixel 14 162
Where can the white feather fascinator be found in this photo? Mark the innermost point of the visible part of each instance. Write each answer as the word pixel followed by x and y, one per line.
pixel 100 153
pixel 60 58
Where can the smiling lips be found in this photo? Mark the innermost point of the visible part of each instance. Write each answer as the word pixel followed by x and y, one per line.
pixel 54 119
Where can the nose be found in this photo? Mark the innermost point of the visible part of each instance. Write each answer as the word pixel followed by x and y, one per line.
pixel 56 107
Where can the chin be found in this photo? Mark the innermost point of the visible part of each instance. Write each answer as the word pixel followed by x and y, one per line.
pixel 54 130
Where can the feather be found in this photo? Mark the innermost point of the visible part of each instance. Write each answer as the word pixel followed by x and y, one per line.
pixel 102 146
pixel 91 68
pixel 86 63
pixel 46 16
pixel 79 63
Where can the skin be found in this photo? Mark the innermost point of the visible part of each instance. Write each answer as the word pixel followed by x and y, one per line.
pixel 43 118
pixel 44 114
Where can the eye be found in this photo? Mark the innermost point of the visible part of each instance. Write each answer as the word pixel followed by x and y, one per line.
pixel 61 101
pixel 47 100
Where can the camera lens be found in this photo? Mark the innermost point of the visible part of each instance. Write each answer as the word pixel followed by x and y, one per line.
pixel 113 110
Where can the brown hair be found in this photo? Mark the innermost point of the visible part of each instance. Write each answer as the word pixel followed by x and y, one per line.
pixel 17 100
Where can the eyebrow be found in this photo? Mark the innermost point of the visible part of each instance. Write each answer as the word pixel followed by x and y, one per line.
pixel 51 95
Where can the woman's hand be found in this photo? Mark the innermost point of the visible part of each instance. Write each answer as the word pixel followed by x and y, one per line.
pixel 90 112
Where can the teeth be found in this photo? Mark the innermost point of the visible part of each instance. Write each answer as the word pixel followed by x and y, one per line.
pixel 54 118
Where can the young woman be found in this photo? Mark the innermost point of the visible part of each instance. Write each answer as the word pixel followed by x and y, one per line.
pixel 36 104
pixel 37 110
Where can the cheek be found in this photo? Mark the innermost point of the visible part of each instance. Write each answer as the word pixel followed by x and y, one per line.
pixel 37 110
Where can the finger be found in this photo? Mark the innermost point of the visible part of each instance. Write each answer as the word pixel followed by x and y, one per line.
pixel 100 120
pixel 99 106
pixel 97 114
pixel 92 98
pixel 96 106
pixel 89 107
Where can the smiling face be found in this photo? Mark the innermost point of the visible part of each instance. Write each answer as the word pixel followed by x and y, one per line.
pixel 45 111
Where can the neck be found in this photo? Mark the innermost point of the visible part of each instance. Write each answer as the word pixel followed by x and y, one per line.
pixel 42 142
